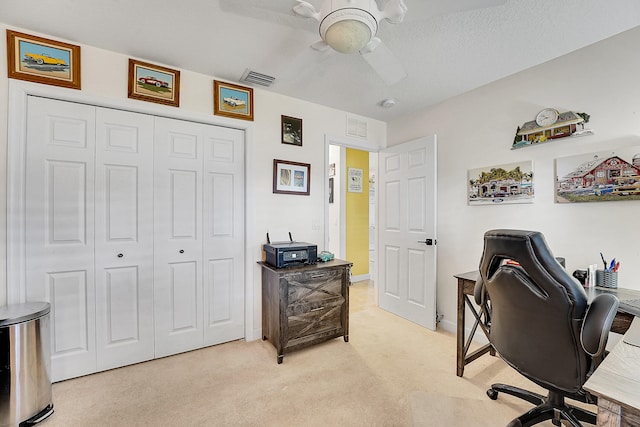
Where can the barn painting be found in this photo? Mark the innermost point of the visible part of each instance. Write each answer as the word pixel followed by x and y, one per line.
pixel 599 177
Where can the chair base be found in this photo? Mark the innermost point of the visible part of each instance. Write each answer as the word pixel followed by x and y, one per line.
pixel 551 407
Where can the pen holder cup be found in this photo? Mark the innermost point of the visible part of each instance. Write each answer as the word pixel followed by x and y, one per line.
pixel 607 279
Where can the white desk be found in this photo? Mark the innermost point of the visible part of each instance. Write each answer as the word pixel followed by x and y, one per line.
pixel 616 383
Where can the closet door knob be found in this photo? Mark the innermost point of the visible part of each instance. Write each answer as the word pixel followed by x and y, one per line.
pixel 120 255
pixel 181 251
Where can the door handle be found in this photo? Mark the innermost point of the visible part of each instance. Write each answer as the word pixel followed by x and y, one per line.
pixel 428 242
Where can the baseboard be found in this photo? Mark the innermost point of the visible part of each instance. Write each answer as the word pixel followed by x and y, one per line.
pixel 360 278
pixel 255 335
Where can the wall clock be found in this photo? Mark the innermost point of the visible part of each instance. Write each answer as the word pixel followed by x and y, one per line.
pixel 547 117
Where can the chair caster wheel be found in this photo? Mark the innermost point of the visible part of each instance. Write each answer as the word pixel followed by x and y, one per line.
pixel 493 394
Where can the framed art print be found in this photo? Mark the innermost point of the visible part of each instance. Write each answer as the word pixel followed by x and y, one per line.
pixel 153 83
pixel 501 184
pixel 291 177
pixel 605 176
pixel 354 180
pixel 41 60
pixel 233 101
pixel 291 130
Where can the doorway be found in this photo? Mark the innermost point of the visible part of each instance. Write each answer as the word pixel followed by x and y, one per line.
pixel 404 187
pixel 352 207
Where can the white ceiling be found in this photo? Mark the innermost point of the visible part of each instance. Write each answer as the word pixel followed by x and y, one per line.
pixel 444 54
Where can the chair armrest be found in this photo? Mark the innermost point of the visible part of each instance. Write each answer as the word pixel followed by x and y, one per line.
pixel 597 323
pixel 479 290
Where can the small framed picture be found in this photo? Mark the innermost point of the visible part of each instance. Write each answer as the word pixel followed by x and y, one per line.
pixel 231 100
pixel 331 190
pixel 291 130
pixel 291 177
pixel 41 60
pixel 355 180
pixel 153 83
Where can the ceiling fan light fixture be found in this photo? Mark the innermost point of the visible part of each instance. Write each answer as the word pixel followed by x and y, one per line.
pixel 348 36
pixel 348 30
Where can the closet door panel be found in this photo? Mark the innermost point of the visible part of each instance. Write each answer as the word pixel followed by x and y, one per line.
pixel 223 234
pixel 178 236
pixel 59 203
pixel 124 237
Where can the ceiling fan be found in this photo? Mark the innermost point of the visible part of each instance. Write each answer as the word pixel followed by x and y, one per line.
pixel 350 26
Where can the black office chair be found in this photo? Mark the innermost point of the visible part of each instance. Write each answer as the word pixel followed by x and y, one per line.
pixel 541 324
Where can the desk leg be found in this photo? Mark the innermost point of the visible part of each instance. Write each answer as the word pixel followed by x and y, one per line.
pixel 460 332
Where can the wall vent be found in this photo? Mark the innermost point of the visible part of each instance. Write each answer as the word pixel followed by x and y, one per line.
pixel 356 127
pixel 257 78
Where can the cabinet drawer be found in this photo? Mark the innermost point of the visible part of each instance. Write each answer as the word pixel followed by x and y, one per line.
pixel 304 307
pixel 307 319
pixel 311 286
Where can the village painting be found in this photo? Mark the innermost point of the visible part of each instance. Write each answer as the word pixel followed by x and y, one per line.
pixel 504 184
pixel 599 177
pixel 569 124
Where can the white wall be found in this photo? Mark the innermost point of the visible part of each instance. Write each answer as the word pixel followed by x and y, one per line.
pixel 104 76
pixel 477 129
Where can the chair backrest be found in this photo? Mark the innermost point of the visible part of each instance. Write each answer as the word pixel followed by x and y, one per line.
pixel 537 309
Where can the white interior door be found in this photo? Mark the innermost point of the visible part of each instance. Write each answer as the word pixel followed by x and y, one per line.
pixel 178 295
pixel 59 228
pixel 223 218
pixel 407 220
pixel 124 238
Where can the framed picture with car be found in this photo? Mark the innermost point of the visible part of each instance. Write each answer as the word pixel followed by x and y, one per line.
pixel 154 83
pixel 233 101
pixel 41 60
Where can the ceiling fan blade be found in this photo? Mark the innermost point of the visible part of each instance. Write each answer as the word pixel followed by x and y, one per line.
pixel 303 63
pixel 320 46
pixel 306 10
pixel 421 9
pixel 393 11
pixel 276 11
pixel 254 7
pixel 383 61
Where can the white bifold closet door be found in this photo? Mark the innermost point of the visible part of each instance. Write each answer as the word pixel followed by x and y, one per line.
pixel 134 231
pixel 89 233
pixel 124 238
pixel 199 235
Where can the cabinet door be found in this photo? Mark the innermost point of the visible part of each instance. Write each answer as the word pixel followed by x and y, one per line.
pixel 223 234
pixel 59 247
pixel 124 238
pixel 178 298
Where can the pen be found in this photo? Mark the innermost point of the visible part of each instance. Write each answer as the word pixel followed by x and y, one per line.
pixel 603 261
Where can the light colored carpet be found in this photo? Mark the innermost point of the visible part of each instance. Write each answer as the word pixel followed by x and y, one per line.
pixel 391 373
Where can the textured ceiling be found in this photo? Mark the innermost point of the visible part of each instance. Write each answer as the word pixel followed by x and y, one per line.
pixel 444 54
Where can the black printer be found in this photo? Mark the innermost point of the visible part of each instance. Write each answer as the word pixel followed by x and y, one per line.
pixel 288 254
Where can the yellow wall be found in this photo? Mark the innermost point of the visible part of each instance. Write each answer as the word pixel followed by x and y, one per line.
pixel 357 214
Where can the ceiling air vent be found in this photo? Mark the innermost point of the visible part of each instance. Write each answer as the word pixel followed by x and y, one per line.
pixel 257 78
pixel 356 127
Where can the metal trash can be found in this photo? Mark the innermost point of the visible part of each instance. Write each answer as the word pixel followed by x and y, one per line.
pixel 25 364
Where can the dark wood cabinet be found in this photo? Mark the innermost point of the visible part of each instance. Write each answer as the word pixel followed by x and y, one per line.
pixel 305 305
